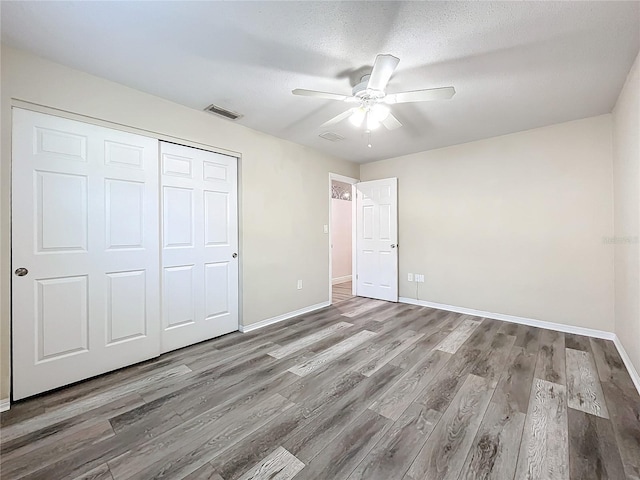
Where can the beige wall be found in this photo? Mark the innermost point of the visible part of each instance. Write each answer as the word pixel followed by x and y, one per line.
pixel 626 178
pixel 284 199
pixel 512 224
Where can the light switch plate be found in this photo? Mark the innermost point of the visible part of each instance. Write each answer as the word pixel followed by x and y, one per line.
pixel 326 229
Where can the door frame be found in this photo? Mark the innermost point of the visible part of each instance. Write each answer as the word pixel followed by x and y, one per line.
pixel 352 182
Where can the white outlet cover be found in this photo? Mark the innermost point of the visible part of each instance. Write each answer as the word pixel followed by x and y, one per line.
pixel 326 229
pixel 410 277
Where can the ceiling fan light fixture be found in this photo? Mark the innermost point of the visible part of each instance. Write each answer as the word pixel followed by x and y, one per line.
pixel 372 121
pixel 380 112
pixel 357 117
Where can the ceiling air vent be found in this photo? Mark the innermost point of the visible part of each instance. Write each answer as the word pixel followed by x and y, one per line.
pixel 216 110
pixel 331 136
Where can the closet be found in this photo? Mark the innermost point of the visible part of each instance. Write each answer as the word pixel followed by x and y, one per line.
pixel 123 247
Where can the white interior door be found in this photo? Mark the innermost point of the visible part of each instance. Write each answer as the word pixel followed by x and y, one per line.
pixel 85 234
pixel 377 239
pixel 199 245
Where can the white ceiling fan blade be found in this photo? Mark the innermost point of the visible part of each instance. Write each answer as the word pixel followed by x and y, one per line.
pixel 382 70
pixel 444 93
pixel 315 93
pixel 391 122
pixel 337 118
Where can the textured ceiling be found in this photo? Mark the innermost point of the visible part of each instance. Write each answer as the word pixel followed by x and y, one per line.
pixel 515 65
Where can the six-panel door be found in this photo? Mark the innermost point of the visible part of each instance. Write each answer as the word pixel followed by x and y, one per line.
pixel 377 239
pixel 199 245
pixel 85 227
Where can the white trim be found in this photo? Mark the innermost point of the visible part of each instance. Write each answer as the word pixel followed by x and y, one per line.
pixel 354 239
pixel 342 178
pixel 280 318
pixel 337 280
pixel 559 327
pixel 79 117
pixel 633 373
pixel 5 404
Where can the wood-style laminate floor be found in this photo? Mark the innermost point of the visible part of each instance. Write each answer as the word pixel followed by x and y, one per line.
pixel 361 390
pixel 341 292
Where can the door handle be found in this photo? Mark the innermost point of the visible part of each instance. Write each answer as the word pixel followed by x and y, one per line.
pixel 235 255
pixel 21 272
pixel 393 245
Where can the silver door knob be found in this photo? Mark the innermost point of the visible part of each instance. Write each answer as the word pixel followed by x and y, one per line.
pixel 393 245
pixel 235 255
pixel 21 272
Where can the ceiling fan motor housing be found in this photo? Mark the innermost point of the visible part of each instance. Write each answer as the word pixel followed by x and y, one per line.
pixel 361 92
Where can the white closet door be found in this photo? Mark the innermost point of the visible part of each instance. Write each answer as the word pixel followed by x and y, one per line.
pixel 199 245
pixel 85 234
pixel 377 239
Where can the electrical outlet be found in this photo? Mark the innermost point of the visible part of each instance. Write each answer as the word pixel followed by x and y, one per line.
pixel 410 277
pixel 325 228
pixel 299 284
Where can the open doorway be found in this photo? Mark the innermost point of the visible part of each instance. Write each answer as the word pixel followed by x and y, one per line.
pixel 341 238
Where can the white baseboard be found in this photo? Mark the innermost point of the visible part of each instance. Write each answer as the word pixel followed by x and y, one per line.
pixel 633 373
pixel 335 281
pixel 284 316
pixel 560 327
pixel 4 404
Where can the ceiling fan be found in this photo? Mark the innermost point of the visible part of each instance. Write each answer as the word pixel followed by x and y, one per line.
pixel 373 102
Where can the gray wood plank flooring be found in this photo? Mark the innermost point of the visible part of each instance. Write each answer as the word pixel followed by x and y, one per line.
pixel 551 363
pixel 341 292
pixel 308 340
pixel 544 449
pixel 592 446
pixel 455 339
pixel 360 390
pixel 280 465
pixel 444 456
pixel 494 452
pixel 583 386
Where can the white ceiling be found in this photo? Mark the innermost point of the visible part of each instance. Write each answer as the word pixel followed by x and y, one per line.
pixel 515 65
